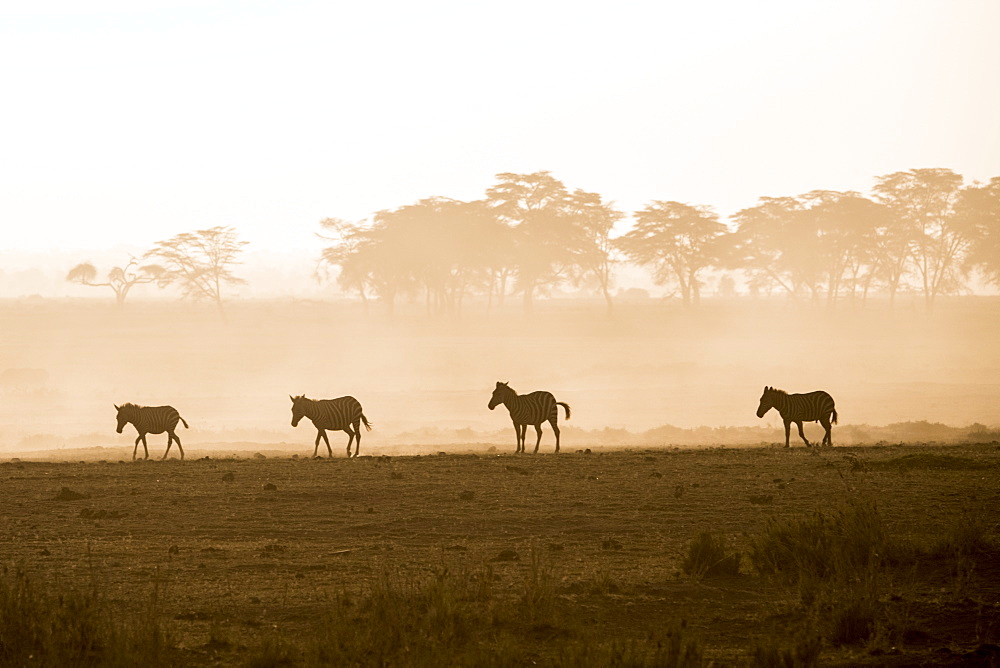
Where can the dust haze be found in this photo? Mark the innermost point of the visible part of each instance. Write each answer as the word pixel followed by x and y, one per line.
pixel 652 373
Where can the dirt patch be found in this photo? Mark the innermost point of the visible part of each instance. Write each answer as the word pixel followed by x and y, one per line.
pixel 597 539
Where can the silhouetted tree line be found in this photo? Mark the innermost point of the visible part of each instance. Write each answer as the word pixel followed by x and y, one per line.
pixel 200 263
pixel 919 229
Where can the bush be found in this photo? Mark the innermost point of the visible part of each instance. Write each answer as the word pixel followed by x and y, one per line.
pixel 39 627
pixel 707 557
pixel 821 547
pixel 804 653
pixel 672 648
pixel 967 537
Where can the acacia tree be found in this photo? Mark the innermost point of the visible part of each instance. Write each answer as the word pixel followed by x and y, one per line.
pixel 924 202
pixel 980 210
pixel 597 256
pixel 678 241
pixel 199 262
pixel 547 236
pixel 345 253
pixel 441 247
pixel 120 279
pixel 843 226
pixel 766 237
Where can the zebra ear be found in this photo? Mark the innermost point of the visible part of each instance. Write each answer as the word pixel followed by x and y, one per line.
pixel 292 398
pixel 116 407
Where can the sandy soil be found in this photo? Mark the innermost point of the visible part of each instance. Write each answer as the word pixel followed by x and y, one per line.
pixel 242 548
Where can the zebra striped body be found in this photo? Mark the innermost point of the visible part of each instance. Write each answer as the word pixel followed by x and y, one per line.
pixel 798 408
pixel 341 414
pixel 151 420
pixel 525 409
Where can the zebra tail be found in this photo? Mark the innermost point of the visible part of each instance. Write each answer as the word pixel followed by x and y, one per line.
pixel 184 421
pixel 365 420
pixel 564 405
pixel 834 418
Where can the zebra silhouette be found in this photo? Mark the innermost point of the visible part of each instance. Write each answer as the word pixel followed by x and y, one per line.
pixel 341 414
pixel 525 409
pixel 151 420
pixel 798 408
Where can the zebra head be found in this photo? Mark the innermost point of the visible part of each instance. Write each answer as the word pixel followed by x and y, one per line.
pixel 500 394
pixel 766 401
pixel 298 408
pixel 125 415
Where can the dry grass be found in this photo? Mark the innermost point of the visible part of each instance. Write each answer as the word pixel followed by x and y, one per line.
pixel 581 561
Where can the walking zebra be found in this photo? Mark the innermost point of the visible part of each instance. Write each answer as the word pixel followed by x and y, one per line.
pixel 525 409
pixel 151 420
pixel 341 414
pixel 812 407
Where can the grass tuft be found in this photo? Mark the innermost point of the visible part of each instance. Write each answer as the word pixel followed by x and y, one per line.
pixel 803 653
pixel 43 628
pixel 822 546
pixel 708 557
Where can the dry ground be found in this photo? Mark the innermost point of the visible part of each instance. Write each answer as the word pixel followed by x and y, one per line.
pixel 242 550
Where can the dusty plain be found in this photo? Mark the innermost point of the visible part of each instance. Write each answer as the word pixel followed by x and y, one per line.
pixel 249 551
pixel 239 551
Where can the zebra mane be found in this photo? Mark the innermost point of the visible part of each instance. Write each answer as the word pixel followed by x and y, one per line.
pixel 129 405
pixel 777 390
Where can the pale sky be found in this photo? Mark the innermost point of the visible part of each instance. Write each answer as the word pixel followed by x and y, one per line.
pixel 128 122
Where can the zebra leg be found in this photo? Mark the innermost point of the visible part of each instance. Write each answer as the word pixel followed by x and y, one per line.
pixel 329 450
pixel 350 440
pixel 170 440
pixel 827 437
pixel 517 435
pixel 136 448
pixel 145 448
pixel 524 437
pixel 357 438
pixel 538 430
pixel 555 429
pixel 179 446
pixel 319 433
pixel 788 427
pixel 802 434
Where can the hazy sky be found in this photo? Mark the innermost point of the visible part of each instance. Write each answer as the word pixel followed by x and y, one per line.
pixel 129 122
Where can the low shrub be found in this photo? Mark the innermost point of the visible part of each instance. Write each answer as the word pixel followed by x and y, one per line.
pixel 803 653
pixel 708 557
pixel 40 627
pixel 822 546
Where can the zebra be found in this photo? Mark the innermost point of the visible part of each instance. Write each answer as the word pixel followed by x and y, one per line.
pixel 340 414
pixel 151 420
pixel 525 409
pixel 812 407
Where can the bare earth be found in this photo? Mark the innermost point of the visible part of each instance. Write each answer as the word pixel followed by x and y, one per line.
pixel 246 549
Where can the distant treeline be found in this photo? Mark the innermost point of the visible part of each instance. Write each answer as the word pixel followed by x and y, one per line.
pixel 919 230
